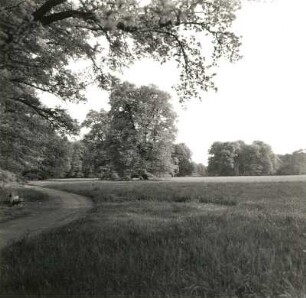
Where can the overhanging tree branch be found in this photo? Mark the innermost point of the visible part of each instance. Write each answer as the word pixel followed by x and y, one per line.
pixel 45 8
pixel 55 117
pixel 49 19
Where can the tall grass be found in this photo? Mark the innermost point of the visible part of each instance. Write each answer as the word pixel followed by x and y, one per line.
pixel 33 201
pixel 168 248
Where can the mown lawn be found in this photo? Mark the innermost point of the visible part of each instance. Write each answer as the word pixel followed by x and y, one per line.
pixel 169 239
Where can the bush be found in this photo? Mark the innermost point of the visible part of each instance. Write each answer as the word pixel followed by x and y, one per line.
pixel 145 175
pixel 34 175
pixel 109 175
pixel 6 179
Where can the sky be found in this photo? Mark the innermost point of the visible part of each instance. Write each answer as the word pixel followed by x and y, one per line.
pixel 261 97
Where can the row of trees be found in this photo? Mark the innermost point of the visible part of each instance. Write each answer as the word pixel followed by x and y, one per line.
pixel 135 137
pixel 240 159
pixel 83 162
pixel 292 164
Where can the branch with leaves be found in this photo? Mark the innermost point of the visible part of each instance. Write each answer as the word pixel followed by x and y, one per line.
pixel 52 33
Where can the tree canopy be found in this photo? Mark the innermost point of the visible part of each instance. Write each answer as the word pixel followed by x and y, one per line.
pixel 238 158
pixel 95 146
pixel 136 135
pixel 40 38
pixel 27 142
pixel 182 158
pixel 293 164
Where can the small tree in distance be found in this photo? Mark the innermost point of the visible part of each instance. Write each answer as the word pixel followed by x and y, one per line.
pixel 201 170
pixel 182 156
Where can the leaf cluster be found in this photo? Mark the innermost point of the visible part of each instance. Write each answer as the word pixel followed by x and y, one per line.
pixel 40 38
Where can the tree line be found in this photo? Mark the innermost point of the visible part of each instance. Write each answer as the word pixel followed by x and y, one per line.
pixel 135 138
pixel 256 159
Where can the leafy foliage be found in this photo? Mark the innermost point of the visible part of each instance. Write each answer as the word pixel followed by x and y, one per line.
pixel 199 169
pixel 56 158
pixel 95 155
pixel 27 142
pixel 182 157
pixel 238 158
pixel 39 39
pixel 293 164
pixel 6 180
pixel 136 135
pixel 141 129
pixel 76 160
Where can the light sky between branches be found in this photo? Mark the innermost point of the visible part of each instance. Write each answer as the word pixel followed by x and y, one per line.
pixel 261 97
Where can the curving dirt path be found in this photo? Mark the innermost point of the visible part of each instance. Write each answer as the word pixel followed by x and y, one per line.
pixel 69 208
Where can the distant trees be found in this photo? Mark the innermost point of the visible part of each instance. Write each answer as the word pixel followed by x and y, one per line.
pixel 222 159
pixel 55 159
pixel 135 137
pixel 182 158
pixel 200 170
pixel 95 142
pixel 238 158
pixel 256 159
pixel 76 160
pixel 292 164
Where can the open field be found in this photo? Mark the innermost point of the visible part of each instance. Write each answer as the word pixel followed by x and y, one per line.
pixel 218 179
pixel 183 237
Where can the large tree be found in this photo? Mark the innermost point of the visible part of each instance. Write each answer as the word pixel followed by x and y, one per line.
pixel 257 159
pixel 56 158
pixel 95 157
pixel 39 38
pixel 142 130
pixel 223 158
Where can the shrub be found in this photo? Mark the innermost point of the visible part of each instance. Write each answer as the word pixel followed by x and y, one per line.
pixel 6 179
pixel 34 175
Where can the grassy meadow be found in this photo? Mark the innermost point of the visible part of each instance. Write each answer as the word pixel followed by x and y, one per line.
pixel 170 239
